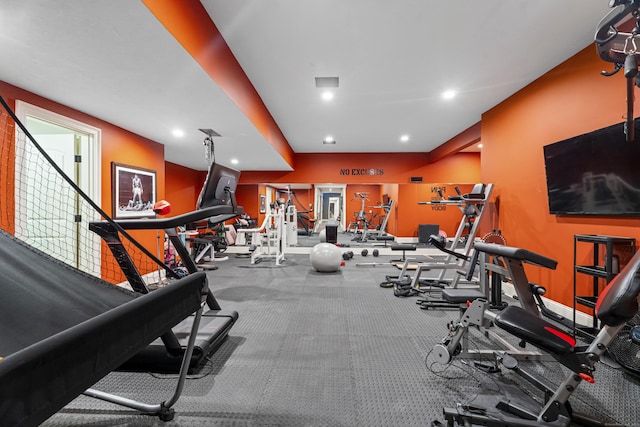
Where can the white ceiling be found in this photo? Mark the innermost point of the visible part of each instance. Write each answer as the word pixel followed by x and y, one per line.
pixel 115 61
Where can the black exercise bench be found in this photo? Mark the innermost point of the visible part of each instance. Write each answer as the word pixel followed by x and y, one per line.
pixel 403 247
pixel 384 238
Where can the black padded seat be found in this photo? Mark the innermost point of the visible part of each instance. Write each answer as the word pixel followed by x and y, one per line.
pixel 384 238
pixel 460 295
pixel 403 247
pixel 534 330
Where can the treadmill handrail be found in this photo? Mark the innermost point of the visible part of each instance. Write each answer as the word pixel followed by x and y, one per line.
pixel 216 214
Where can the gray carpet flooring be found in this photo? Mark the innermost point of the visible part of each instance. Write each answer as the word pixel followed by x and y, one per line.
pixel 332 349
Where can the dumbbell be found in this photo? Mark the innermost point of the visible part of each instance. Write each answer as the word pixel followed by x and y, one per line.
pixel 347 255
pixel 375 252
pixel 364 252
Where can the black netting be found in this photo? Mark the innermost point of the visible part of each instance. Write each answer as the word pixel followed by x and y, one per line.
pixel 41 206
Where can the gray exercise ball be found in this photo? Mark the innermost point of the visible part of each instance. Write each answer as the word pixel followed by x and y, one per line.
pixel 323 235
pixel 325 257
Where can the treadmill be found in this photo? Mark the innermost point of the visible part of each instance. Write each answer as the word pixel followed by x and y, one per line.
pixel 216 204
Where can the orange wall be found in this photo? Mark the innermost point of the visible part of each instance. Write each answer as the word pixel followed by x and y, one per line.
pixel 248 197
pixel 394 168
pixel 389 170
pixel 411 213
pixel 182 187
pixel 7 172
pixel 303 198
pixel 354 203
pixel 570 100
pixel 118 145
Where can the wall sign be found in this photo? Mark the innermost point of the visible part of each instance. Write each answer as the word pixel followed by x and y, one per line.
pixel 361 171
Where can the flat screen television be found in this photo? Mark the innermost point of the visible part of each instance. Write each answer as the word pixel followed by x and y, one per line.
pixel 597 173
pixel 214 191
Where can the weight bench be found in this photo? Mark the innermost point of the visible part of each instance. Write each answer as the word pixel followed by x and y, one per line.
pixel 403 248
pixel 453 298
pixel 617 305
pixel 386 238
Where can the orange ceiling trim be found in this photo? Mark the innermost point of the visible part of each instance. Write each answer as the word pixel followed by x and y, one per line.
pixel 459 142
pixel 190 24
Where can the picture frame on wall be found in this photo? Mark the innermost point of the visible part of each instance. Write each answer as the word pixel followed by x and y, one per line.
pixel 263 204
pixel 133 191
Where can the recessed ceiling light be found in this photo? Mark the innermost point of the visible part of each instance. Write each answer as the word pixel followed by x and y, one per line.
pixel 449 94
pixel 178 133
pixel 404 138
pixel 327 95
pixel 479 145
pixel 234 161
pixel 329 140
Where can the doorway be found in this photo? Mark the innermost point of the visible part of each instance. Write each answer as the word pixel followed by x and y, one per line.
pixel 334 208
pixel 75 148
pixel 329 205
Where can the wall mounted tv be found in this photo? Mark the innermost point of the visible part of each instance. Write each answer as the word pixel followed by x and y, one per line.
pixel 597 173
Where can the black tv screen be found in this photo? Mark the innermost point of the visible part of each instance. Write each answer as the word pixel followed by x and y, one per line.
pixel 597 173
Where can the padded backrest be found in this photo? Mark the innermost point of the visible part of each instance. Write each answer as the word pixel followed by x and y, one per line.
pixel 618 303
pixel 477 192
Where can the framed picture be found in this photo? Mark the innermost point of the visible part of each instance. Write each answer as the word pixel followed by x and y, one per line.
pixel 133 191
pixel 263 204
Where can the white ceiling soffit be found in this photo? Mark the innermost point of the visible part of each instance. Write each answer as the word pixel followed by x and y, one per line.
pixel 394 59
pixel 115 61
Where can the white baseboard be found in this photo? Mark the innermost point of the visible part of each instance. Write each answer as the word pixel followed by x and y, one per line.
pixel 582 319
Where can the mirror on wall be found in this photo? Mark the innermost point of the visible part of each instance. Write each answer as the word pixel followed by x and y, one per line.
pixel 318 203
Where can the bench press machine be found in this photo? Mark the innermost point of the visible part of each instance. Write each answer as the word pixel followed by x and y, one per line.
pixel 618 304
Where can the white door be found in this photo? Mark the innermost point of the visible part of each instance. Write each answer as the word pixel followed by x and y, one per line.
pixel 334 208
pixel 48 218
pixel 46 214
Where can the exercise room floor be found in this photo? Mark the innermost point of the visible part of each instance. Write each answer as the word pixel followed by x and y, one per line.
pixel 333 349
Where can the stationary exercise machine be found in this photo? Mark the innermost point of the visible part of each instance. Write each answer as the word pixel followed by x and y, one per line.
pixel 380 229
pixel 617 305
pixel 622 49
pixel 291 217
pixel 360 225
pixel 471 205
pixel 495 261
pixel 269 241
pixel 209 241
pixel 454 297
pixel 298 219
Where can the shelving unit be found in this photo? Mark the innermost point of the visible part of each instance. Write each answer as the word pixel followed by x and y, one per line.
pixel 602 270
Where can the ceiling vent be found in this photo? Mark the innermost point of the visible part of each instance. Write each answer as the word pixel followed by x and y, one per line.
pixel 415 179
pixel 327 81
pixel 209 132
